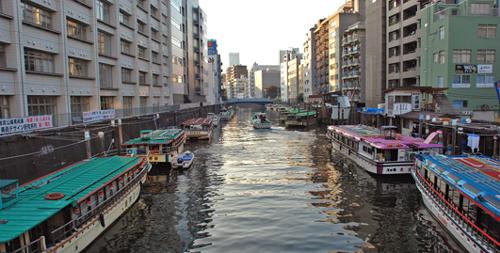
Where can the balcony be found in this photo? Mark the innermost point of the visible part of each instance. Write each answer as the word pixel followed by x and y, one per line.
pixel 466 12
pixel 351 74
pixel 351 86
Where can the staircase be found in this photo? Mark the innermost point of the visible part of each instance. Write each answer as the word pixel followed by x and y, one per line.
pixel 444 103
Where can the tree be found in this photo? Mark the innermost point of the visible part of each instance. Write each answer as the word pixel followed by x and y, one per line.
pixel 300 98
pixel 223 93
pixel 272 91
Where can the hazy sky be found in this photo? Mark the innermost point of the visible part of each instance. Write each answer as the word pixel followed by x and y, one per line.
pixel 258 29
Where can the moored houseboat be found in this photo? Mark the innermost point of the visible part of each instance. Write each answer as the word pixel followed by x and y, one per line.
pixel 260 121
pixel 214 118
pixel 463 195
pixel 379 151
pixel 198 128
pixel 68 209
pixel 301 119
pixel 286 112
pixel 158 146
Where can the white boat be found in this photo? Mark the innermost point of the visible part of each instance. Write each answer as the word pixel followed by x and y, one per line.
pixel 225 113
pixel 215 118
pixel 184 160
pixel 198 128
pixel 463 195
pixel 158 146
pixel 67 210
pixel 379 151
pixel 260 121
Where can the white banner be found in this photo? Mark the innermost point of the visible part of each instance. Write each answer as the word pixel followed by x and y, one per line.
pixel 15 125
pixel 98 115
pixel 484 68
pixel 401 108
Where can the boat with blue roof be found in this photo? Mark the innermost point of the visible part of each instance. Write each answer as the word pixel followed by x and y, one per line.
pixel 184 160
pixel 158 146
pixel 380 150
pixel 68 209
pixel 463 195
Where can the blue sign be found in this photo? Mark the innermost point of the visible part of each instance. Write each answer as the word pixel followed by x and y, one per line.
pixel 498 90
pixel 212 47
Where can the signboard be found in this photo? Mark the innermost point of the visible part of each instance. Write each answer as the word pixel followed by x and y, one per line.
pixel 212 47
pixel 497 87
pixel 98 115
pixel 402 108
pixel 15 125
pixel 484 68
pixel 415 100
pixel 471 68
pixel 465 112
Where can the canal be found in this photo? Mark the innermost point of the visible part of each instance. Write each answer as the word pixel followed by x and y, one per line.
pixel 278 190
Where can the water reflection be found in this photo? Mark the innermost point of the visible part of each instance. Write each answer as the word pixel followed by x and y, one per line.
pixel 275 190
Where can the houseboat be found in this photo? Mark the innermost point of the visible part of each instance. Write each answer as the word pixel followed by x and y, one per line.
pixel 68 209
pixel 260 121
pixel 301 119
pixel 226 114
pixel 159 146
pixel 198 128
pixel 288 111
pixel 380 151
pixel 463 195
pixel 215 118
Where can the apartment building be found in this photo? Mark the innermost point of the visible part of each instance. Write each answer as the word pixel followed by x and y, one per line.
pixel 353 63
pixel 464 63
pixel 289 76
pixel 251 77
pixel 215 59
pixel 235 75
pixel 265 78
pixel 308 64
pixel 71 56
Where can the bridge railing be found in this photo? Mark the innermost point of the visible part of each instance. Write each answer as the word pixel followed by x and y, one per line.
pixel 250 100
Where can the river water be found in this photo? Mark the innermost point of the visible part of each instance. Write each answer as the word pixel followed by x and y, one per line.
pixel 277 190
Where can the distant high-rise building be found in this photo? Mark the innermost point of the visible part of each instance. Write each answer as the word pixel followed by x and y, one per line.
pixel 289 81
pixel 309 65
pixel 215 59
pixel 235 75
pixel 283 53
pixel 251 76
pixel 234 59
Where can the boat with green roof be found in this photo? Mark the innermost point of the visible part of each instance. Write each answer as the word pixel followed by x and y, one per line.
pixel 301 119
pixel 159 146
pixel 68 209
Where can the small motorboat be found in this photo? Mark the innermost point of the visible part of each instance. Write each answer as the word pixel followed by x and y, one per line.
pixel 183 161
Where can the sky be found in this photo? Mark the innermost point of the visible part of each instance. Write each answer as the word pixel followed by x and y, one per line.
pixel 258 29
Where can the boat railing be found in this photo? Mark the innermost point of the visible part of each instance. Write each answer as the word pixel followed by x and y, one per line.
pixel 461 221
pixel 33 247
pixel 71 227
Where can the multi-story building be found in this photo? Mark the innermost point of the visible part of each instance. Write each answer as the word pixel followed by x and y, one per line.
pixel 283 53
pixel 234 59
pixel 241 87
pixel 465 63
pixel 353 63
pixel 233 74
pixel 309 65
pixel 403 42
pixel 328 47
pixel 288 76
pixel 265 78
pixel 72 56
pixel 251 77
pixel 215 59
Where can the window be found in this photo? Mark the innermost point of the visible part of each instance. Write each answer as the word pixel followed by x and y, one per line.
pixel 126 75
pixel 154 11
pixel 487 31
pixel 480 9
pixel 393 51
pixel 140 3
pixel 441 57
pixel 461 55
pixel 485 81
pixel 76 30
pixel 80 104
pixel 441 32
pixel 41 105
pixel 77 67
pixel 165 61
pixel 486 56
pixel 3 61
pixel 107 103
pixel 460 103
pixel 141 52
pixel 141 27
pixel 144 104
pixel 154 34
pixel 35 15
pixel 124 18
pixel 127 105
pixel 176 24
pixel 177 42
pixel 38 61
pixel 105 76
pixel 393 19
pixel 142 78
pixel 175 6
pixel 125 46
pixel 394 35
pixel 440 82
pixel 154 56
pixel 4 107
pixel 104 43
pixel 436 57
pixel 155 80
pixel 394 68
pixel 102 11
pixel 461 81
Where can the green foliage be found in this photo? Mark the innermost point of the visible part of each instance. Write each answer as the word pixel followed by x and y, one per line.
pixel 223 93
pixel 300 98
pixel 272 91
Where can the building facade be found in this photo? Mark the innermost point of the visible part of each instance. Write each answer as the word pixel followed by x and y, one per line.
pixel 265 78
pixel 251 77
pixel 215 59
pixel 353 63
pixel 309 65
pixel 466 65
pixel 235 75
pixel 234 59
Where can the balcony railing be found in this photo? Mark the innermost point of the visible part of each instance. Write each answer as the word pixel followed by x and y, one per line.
pixel 465 12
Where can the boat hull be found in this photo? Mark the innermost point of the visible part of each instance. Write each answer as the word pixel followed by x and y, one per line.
pixel 368 164
pixel 262 125
pixel 92 230
pixel 302 123
pixel 200 135
pixel 445 220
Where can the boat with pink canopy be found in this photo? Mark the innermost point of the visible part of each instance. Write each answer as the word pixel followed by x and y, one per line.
pixel 380 151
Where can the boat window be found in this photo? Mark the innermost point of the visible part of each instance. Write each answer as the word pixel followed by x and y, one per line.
pixel 465 206
pixel 493 227
pixel 455 197
pixel 473 211
pixel 442 186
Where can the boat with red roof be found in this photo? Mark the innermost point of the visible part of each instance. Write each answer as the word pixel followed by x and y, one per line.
pixel 198 128
pixel 463 195
pixel 380 151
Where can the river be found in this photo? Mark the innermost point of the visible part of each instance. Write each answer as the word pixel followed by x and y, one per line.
pixel 277 190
